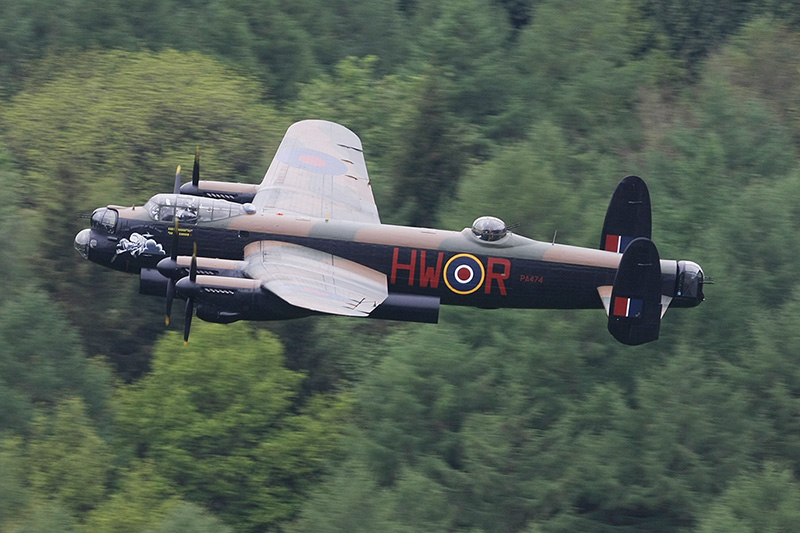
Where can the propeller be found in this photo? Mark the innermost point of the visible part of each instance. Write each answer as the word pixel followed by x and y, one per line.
pixel 186 286
pixel 169 266
pixel 177 188
pixel 196 169
pixel 190 289
pixel 169 269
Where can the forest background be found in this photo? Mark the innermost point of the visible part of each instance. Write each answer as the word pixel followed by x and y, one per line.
pixel 496 421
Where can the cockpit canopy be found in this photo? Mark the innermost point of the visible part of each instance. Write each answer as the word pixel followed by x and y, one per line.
pixel 104 220
pixel 489 229
pixel 192 209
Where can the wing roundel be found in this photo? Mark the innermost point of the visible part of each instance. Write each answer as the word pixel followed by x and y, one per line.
pixel 319 171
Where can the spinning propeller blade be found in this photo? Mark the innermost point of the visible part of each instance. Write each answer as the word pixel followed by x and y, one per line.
pixel 177 188
pixel 196 169
pixel 190 300
pixel 173 265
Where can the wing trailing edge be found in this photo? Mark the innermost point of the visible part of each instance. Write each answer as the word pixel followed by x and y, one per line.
pixel 315 280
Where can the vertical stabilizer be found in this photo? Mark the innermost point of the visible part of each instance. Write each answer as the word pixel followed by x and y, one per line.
pixel 628 216
pixel 635 301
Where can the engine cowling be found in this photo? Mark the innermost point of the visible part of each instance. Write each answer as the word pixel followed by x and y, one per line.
pixel 227 299
pixel 241 193
pixel 408 308
pixel 224 299
pixel 152 283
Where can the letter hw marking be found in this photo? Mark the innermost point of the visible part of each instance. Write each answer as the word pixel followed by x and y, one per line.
pixel 463 273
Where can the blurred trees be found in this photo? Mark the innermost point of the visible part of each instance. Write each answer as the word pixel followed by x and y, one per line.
pixel 490 421
pixel 110 128
pixel 221 422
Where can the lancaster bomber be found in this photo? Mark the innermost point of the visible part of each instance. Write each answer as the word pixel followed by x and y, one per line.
pixel 308 240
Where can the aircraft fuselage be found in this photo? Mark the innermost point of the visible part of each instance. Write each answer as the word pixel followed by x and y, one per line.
pixel 457 267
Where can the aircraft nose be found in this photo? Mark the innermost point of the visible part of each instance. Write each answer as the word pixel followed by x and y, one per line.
pixel 82 242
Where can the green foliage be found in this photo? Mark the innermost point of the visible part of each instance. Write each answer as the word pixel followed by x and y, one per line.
pixel 219 421
pixel 526 183
pixel 694 28
pixel 67 460
pixel 31 28
pixel 145 501
pixel 760 62
pixel 263 38
pixel 519 11
pixel 490 421
pixel 116 127
pixel 189 518
pixel 432 152
pixel 348 501
pixel 15 230
pixel 580 65
pixel 42 363
pixel 768 500
pixel 14 494
pixel 375 107
pixel 46 517
pixel 416 149
pixel 141 501
pixel 506 435
pixel 466 43
pixel 769 372
pixel 327 352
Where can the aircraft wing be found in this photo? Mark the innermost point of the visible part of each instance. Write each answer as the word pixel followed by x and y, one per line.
pixel 315 280
pixel 319 171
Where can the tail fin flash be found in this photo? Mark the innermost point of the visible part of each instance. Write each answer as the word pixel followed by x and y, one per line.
pixel 628 216
pixel 634 312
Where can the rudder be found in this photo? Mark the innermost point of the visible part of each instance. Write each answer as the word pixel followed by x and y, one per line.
pixel 628 216
pixel 634 313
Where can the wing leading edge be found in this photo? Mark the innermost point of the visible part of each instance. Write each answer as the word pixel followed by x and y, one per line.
pixel 315 280
pixel 319 171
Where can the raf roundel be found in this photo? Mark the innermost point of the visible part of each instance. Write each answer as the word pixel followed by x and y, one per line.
pixel 312 161
pixel 464 274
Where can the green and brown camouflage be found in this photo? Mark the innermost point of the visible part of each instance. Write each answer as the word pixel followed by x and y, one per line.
pixel 309 240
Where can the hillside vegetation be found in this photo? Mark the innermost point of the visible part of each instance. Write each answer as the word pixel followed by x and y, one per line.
pixel 491 421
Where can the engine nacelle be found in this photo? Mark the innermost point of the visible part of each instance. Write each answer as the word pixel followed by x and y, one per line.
pixel 224 299
pixel 241 193
pixel 227 299
pixel 408 308
pixel 152 283
pixel 211 313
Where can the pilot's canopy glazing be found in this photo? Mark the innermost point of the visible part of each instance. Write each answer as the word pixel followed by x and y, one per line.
pixel 191 209
pixel 489 228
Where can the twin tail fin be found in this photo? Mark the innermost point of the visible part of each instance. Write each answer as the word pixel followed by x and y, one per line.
pixel 634 302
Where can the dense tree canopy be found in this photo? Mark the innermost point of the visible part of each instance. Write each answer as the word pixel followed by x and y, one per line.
pixel 222 423
pixel 112 129
pixel 530 110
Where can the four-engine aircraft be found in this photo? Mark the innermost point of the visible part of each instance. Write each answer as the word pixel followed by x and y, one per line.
pixel 308 240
